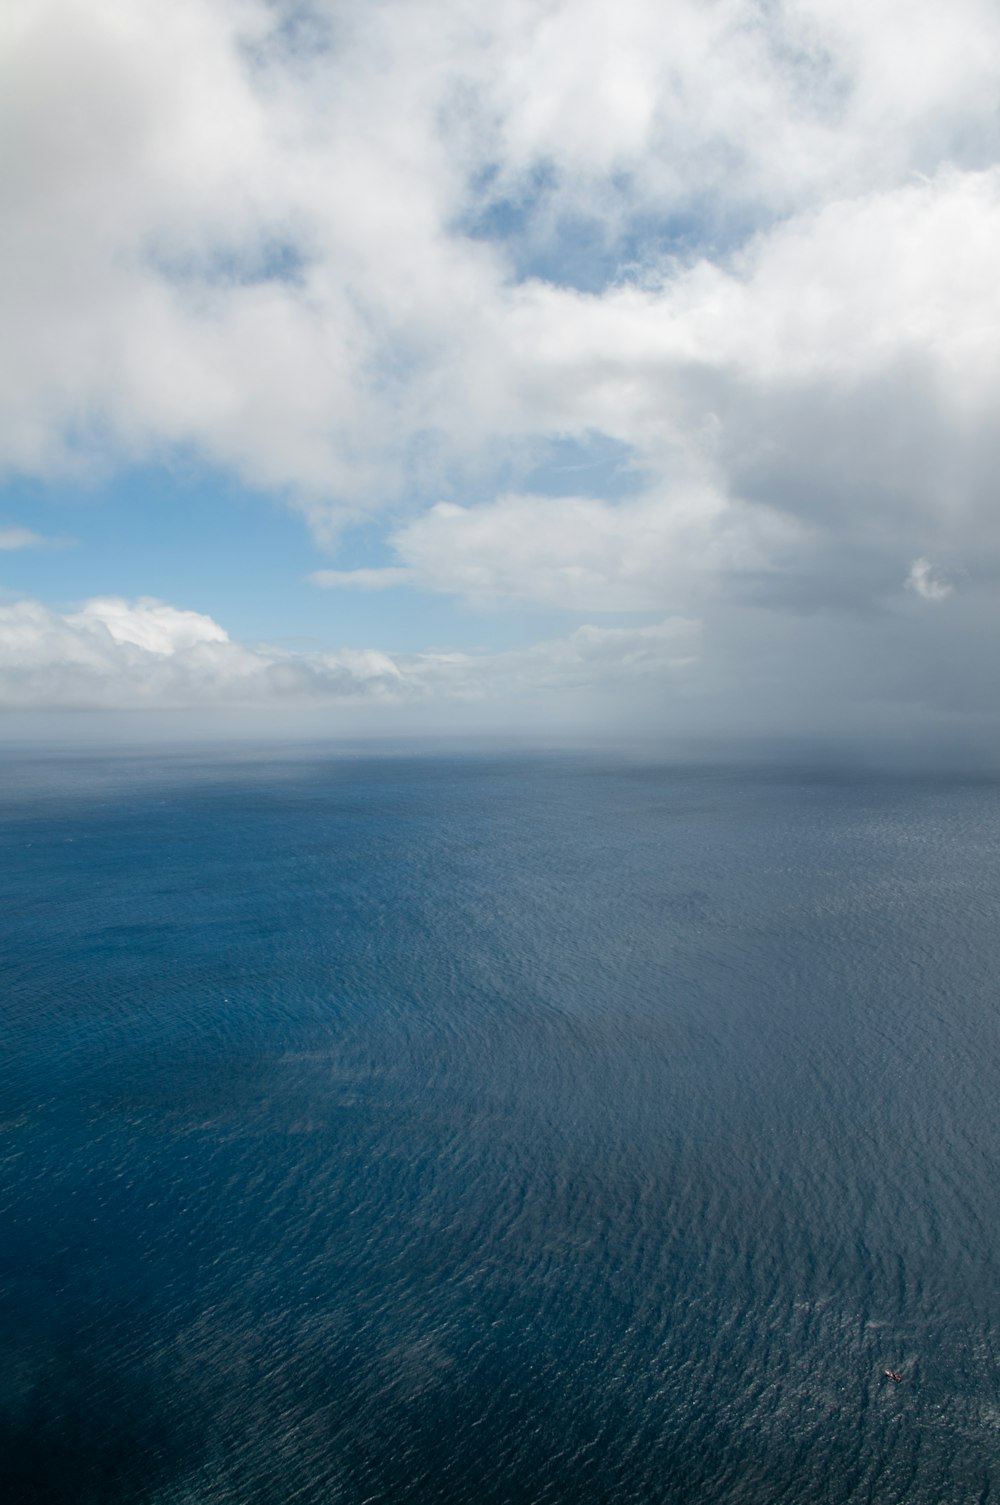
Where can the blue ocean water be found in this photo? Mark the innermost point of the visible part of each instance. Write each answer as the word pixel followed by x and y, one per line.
pixel 470 1130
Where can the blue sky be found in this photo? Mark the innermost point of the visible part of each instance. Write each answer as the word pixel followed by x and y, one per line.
pixel 185 533
pixel 188 534
pixel 396 366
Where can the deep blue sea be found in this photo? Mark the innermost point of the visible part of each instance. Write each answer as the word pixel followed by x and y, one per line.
pixel 497 1131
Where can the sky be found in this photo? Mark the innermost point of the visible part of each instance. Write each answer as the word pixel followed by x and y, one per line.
pixel 412 366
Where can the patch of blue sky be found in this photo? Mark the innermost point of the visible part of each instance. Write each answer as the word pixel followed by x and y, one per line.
pixel 299 32
pixel 591 465
pixel 165 531
pixel 499 212
pixel 188 535
pixel 271 259
pixel 591 251
pixel 588 464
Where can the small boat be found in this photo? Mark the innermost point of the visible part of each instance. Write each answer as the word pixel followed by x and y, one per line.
pixel 891 1374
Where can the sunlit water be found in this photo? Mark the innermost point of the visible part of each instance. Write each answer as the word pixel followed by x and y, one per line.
pixel 469 1130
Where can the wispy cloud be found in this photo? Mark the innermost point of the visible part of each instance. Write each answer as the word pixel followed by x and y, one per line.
pixel 384 578
pixel 13 537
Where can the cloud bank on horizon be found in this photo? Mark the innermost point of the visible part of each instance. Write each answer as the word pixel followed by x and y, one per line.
pixel 148 656
pixel 681 320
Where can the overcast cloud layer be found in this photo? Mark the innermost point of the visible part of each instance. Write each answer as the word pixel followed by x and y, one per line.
pixel 382 258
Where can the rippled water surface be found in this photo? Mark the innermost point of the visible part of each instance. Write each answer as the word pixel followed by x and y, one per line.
pixel 497 1130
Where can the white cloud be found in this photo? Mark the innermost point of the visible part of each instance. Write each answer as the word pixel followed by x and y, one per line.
pixel 115 654
pixel 146 654
pixel 216 239
pixel 576 552
pixel 377 256
pixel 927 582
pixel 148 624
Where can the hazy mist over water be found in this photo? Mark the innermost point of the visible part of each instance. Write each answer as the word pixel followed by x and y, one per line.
pixel 492 1128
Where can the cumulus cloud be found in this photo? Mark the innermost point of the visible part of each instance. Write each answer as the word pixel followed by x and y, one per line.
pixel 303 247
pixel 146 654
pixel 150 625
pixel 380 258
pixel 573 552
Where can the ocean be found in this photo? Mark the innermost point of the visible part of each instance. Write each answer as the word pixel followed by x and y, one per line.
pixel 497 1130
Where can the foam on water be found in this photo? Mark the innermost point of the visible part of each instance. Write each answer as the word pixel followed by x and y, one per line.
pixel 469 1130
